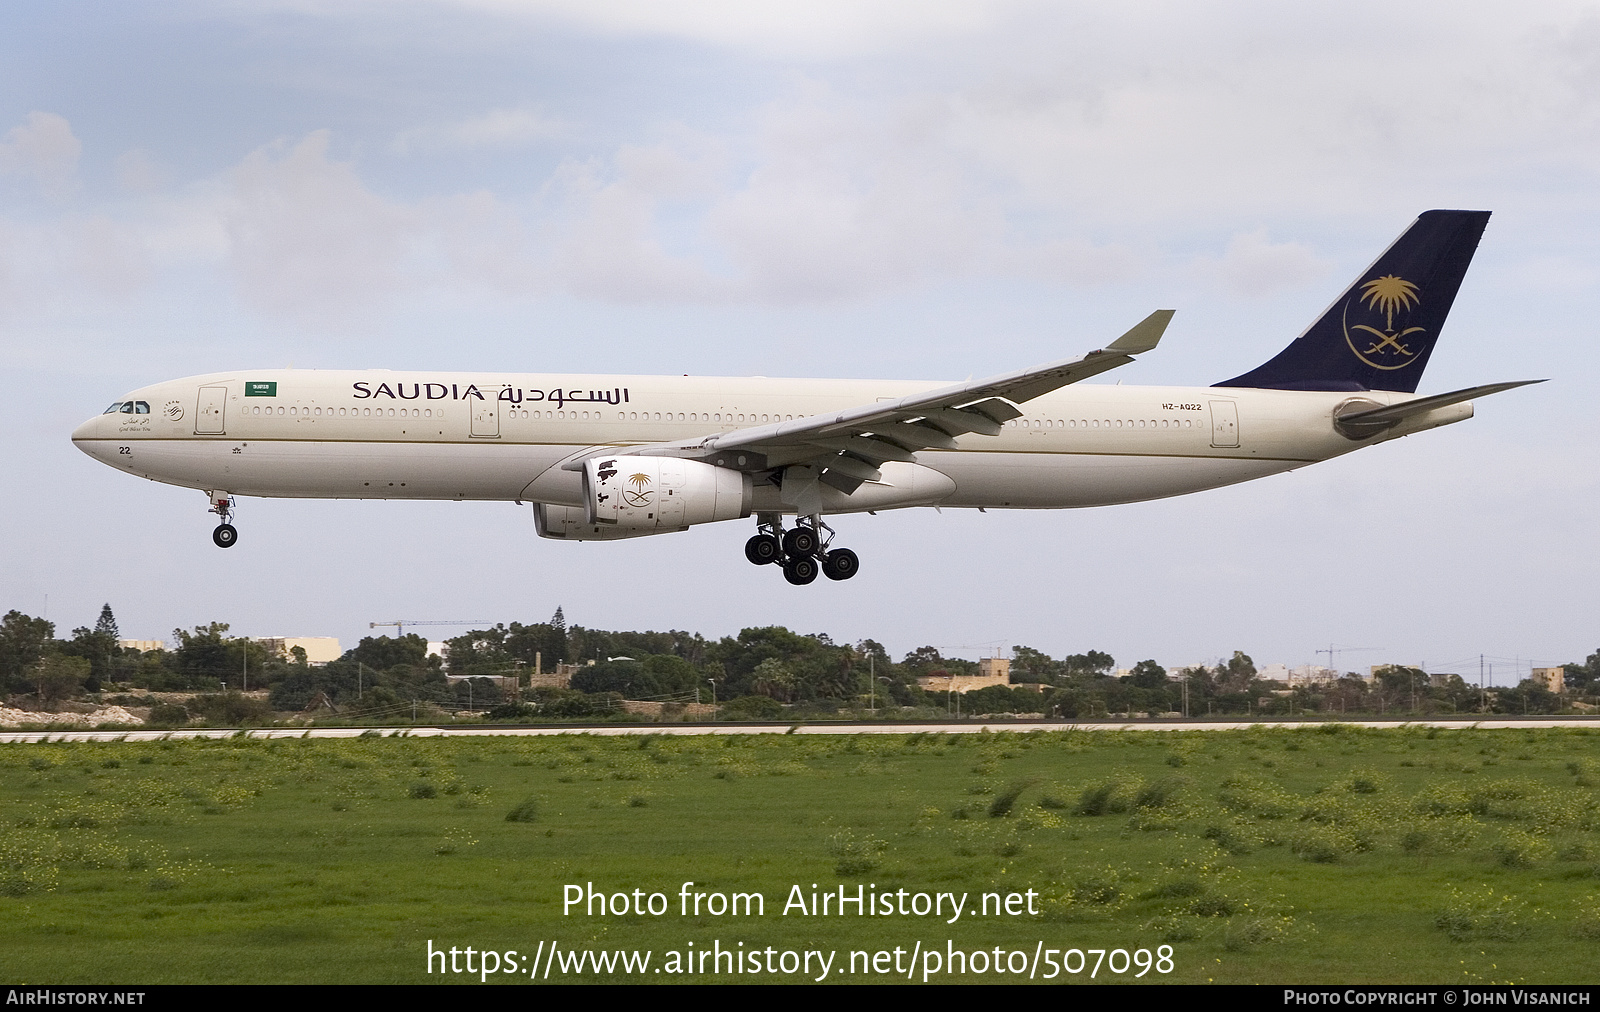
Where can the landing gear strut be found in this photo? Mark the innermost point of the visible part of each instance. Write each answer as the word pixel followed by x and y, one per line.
pixel 801 551
pixel 226 535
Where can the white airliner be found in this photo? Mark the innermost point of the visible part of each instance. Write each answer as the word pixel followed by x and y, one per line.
pixel 608 457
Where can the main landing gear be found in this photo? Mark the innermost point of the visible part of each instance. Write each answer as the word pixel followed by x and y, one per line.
pixel 226 535
pixel 802 550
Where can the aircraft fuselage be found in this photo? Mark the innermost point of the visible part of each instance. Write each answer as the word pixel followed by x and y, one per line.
pixel 417 435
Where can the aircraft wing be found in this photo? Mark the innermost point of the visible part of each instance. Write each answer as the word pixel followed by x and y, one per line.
pixel 848 446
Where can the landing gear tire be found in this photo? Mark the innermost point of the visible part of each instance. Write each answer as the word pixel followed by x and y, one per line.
pixel 225 536
pixel 762 549
pixel 840 564
pixel 800 570
pixel 799 541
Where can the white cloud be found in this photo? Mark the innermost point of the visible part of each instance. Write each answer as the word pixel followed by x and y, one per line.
pixel 306 237
pixel 137 172
pixel 1253 266
pixel 43 149
pixel 783 28
pixel 495 129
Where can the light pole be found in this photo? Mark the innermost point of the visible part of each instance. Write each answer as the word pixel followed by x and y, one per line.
pixel 713 682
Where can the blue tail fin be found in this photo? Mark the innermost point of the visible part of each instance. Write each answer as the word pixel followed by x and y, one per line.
pixel 1378 334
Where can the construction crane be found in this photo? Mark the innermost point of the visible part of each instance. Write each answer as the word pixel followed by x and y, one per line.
pixel 400 624
pixel 1334 651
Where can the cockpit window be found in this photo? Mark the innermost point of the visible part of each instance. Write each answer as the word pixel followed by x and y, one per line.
pixel 113 409
pixel 127 407
pixel 141 407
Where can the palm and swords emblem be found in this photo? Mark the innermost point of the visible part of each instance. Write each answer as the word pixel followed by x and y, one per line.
pixel 1387 295
pixel 640 494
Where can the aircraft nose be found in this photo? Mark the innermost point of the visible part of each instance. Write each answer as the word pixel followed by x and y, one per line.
pixel 85 432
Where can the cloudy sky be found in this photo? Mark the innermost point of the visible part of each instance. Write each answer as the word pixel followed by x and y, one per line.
pixel 858 189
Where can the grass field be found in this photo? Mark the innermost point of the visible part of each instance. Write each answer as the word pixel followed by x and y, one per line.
pixel 1323 854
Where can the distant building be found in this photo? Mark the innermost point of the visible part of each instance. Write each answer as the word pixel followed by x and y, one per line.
pixel 439 649
pixel 560 678
pixel 1372 672
pixel 1553 679
pixel 319 649
pixel 1305 674
pixel 505 683
pixel 142 645
pixel 991 671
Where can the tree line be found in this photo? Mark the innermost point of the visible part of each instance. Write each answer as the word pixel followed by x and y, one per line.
pixel 762 672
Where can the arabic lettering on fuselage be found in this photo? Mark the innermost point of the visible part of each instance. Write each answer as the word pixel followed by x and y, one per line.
pixel 468 391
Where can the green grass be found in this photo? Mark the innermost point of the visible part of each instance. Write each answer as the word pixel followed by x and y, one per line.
pixel 1324 854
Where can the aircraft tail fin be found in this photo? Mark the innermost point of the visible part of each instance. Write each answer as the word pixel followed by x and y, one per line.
pixel 1379 333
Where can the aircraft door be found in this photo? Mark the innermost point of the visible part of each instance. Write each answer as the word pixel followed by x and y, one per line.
pixel 1224 423
pixel 209 410
pixel 486 415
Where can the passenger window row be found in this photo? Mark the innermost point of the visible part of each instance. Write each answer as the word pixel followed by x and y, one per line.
pixel 353 412
pixel 1098 423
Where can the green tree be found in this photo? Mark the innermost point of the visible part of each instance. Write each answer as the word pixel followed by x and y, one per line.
pixel 106 625
pixel 1094 662
pixel 58 676
pixel 772 678
pixel 22 643
pixel 1582 679
pixel 1236 673
pixel 202 656
pixel 1148 675
pixel 384 652
pixel 98 646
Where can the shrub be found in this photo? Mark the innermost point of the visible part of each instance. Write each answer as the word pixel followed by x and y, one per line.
pixel 1003 802
pixel 1479 913
pixel 1097 890
pixel 1587 924
pixel 752 708
pixel 855 856
pixel 422 789
pixel 1159 794
pixel 1517 849
pixel 1212 906
pixel 1104 799
pixel 167 715
pixel 1228 838
pixel 1248 932
pixel 1175 890
pixel 1172 929
pixel 528 811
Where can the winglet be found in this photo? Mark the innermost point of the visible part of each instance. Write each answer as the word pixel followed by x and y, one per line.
pixel 1144 336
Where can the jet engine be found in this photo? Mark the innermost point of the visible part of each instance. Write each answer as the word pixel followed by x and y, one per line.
pixel 658 494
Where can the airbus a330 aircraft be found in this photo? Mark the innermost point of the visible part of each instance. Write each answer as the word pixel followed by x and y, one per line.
pixel 608 457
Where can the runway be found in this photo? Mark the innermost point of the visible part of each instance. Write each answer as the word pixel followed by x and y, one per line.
pixel 896 727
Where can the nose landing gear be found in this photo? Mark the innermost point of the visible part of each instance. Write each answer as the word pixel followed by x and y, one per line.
pixel 802 551
pixel 226 535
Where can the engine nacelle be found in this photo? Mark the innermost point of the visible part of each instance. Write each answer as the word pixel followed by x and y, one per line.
pixel 567 523
pixel 649 494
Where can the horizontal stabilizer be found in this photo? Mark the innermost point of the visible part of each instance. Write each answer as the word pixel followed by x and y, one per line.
pixel 1361 424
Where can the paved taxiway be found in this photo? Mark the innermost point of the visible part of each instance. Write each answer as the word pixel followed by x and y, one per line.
pixel 965 727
